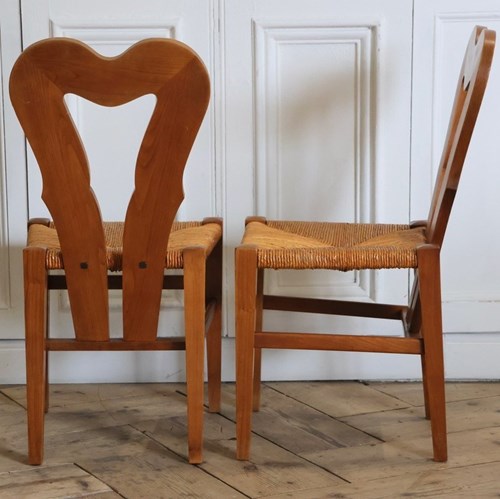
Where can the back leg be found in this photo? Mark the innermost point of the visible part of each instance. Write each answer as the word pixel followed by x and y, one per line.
pixel 194 320
pixel 35 310
pixel 432 333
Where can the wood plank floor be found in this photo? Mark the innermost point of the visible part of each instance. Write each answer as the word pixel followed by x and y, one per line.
pixel 311 440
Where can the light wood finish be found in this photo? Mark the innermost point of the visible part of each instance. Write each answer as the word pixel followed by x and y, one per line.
pixel 38 86
pixel 246 307
pixel 35 310
pixel 141 247
pixel 295 245
pixel 67 479
pixel 311 440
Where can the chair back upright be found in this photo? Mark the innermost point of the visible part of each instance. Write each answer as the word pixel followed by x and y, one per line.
pixel 42 76
pixel 468 98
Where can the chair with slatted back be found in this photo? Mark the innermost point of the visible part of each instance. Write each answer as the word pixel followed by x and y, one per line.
pixel 132 255
pixel 270 244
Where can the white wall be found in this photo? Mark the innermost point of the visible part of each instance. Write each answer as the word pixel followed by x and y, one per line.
pixel 344 102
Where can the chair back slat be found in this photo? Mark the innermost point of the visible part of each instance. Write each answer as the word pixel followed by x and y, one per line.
pixel 468 97
pixel 47 71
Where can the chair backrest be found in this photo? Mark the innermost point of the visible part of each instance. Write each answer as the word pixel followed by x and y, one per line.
pixel 469 95
pixel 170 70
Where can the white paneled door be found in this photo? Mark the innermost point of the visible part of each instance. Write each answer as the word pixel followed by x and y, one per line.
pixel 112 136
pixel 321 110
pixel 470 264
pixel 12 192
pixel 312 106
pixel 317 126
pixel 470 268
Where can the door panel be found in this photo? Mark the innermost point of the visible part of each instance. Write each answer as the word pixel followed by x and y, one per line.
pixel 470 269
pixel 317 125
pixel 110 28
pixel 112 135
pixel 12 188
pixel 311 101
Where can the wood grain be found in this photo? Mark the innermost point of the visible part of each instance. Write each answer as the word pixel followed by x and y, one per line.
pixel 421 319
pixel 131 439
pixel 35 312
pixel 66 480
pixel 171 71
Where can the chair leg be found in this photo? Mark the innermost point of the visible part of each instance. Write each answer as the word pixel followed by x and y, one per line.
pixel 214 333
pixel 194 319
pixel 246 290
pixel 432 333
pixel 35 300
pixel 257 362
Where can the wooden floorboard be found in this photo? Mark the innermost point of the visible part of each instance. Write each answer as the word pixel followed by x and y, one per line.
pixel 310 440
pixel 50 481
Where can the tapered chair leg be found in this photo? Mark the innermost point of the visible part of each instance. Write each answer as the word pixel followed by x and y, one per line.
pixel 214 333
pixel 246 290
pixel 194 318
pixel 35 303
pixel 432 333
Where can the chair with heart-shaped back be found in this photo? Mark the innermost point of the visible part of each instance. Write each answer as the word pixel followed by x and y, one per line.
pixel 97 256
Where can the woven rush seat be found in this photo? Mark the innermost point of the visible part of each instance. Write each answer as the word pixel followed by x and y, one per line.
pixel 336 246
pixel 183 235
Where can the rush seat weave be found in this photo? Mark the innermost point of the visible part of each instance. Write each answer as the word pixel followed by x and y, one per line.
pixel 182 235
pixel 335 246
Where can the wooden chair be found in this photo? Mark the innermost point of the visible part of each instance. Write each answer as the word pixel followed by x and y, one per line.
pixel 302 245
pixel 139 249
